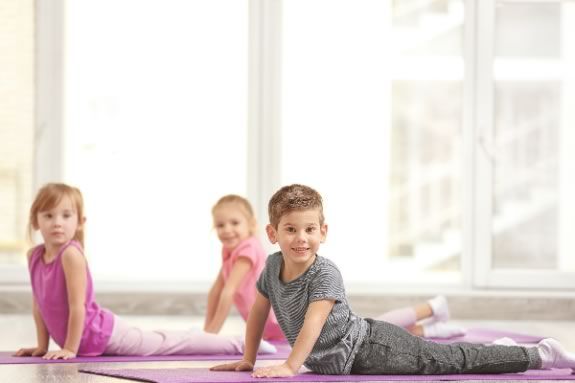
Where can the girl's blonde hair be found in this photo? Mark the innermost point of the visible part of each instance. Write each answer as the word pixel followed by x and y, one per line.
pixel 48 197
pixel 243 204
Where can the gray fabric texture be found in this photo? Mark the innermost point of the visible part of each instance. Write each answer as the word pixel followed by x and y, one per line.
pixel 343 331
pixel 350 344
pixel 390 350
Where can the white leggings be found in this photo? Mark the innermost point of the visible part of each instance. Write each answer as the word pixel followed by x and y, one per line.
pixel 404 317
pixel 133 341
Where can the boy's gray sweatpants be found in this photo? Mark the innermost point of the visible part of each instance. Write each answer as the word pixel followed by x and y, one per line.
pixel 390 350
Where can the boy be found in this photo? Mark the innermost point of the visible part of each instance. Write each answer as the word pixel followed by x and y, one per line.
pixel 307 294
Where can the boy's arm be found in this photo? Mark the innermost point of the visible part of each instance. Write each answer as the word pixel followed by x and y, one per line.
pixel 315 318
pixel 239 271
pixel 74 265
pixel 254 330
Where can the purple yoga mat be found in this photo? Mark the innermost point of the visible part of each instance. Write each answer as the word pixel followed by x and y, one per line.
pixel 473 335
pixel 7 358
pixel 203 375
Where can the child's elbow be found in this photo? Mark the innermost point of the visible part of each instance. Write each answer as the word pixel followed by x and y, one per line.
pixel 77 309
pixel 228 294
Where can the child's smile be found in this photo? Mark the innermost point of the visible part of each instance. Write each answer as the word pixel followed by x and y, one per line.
pixel 299 235
pixel 232 225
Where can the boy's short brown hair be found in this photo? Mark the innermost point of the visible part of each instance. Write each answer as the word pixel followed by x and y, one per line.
pixel 294 197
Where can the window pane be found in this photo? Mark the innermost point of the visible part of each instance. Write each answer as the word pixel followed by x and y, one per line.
pixel 16 126
pixel 156 130
pixel 372 118
pixel 534 92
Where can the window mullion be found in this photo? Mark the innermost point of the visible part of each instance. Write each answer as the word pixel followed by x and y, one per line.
pixel 483 142
pixel 264 90
pixel 49 118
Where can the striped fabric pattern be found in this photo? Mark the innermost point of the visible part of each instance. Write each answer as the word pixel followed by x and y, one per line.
pixel 343 331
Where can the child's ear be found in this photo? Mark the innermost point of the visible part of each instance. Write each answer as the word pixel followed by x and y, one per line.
pixel 271 232
pixel 323 231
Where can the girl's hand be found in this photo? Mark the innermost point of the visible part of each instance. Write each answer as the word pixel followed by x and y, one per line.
pixel 240 365
pixel 278 371
pixel 61 354
pixel 32 351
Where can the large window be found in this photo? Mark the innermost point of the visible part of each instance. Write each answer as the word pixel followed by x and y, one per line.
pixel 530 155
pixel 528 125
pixel 155 131
pixel 438 132
pixel 372 109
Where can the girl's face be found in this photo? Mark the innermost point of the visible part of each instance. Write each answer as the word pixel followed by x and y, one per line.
pixel 59 224
pixel 232 225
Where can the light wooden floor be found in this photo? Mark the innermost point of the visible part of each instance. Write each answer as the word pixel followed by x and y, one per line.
pixel 18 331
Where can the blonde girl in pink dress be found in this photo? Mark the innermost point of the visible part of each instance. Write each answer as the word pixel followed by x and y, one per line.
pixel 243 259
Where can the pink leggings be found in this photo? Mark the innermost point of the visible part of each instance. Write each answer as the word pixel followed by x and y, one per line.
pixel 401 317
pixel 133 341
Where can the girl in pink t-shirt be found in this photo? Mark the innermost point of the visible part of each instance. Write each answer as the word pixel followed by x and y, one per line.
pixel 64 307
pixel 243 259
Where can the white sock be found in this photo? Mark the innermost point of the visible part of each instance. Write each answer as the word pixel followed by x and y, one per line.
pixel 505 341
pixel 439 307
pixel 266 348
pixel 553 355
pixel 442 330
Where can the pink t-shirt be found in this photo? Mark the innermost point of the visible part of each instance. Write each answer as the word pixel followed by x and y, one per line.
pixel 245 296
pixel 51 295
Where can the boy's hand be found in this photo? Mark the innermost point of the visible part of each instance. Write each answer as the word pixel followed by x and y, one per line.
pixel 61 354
pixel 240 365
pixel 32 351
pixel 278 371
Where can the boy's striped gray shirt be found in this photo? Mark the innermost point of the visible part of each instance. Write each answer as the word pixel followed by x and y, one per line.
pixel 343 331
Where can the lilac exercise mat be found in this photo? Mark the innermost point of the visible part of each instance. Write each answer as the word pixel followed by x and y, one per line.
pixel 203 375
pixel 7 358
pixel 473 335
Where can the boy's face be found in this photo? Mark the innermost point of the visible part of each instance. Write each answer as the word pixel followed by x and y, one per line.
pixel 299 234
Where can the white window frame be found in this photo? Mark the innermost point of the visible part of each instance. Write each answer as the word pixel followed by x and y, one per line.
pixel 264 88
pixel 48 125
pixel 264 130
pixel 484 275
pixel 49 118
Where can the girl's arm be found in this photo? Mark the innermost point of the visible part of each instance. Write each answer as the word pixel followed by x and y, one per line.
pixel 315 318
pixel 213 299
pixel 42 336
pixel 254 330
pixel 75 270
pixel 239 271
